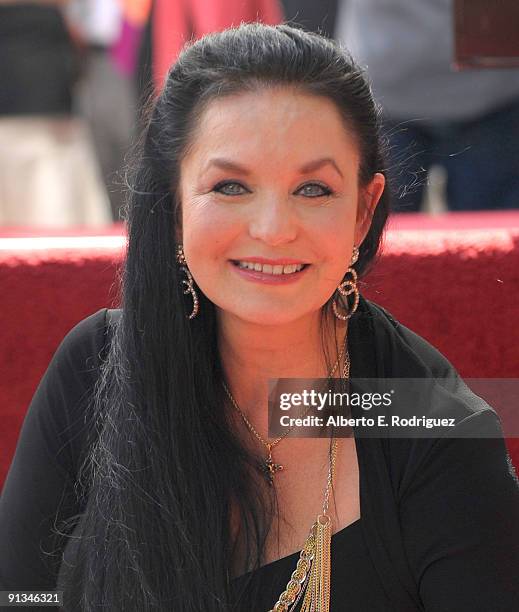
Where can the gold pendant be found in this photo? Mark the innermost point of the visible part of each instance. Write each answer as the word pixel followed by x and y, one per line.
pixel 270 468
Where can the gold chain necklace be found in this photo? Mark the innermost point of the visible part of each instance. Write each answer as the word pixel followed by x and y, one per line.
pixel 311 580
pixel 311 577
pixel 269 467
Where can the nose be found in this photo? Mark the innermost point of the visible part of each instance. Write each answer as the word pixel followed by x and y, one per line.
pixel 273 221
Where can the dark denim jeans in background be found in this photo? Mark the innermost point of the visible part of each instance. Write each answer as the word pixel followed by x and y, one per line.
pixel 481 159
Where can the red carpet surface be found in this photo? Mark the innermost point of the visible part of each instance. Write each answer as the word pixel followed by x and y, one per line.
pixel 454 279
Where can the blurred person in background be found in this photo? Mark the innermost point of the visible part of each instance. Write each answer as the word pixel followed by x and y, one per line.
pixel 467 122
pixel 174 23
pixel 109 31
pixel 132 53
pixel 48 173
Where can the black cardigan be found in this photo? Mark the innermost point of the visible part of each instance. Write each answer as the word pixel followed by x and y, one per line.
pixel 439 516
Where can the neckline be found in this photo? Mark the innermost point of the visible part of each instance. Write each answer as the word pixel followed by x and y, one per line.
pixel 285 559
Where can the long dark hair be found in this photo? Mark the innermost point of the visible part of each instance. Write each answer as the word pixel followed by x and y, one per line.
pixel 164 469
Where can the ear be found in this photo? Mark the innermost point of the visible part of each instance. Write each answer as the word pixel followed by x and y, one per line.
pixel 369 197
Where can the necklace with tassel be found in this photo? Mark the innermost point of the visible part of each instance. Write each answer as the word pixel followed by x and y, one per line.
pixel 311 578
pixel 310 581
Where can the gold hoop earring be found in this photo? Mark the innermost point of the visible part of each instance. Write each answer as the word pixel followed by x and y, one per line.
pixel 189 283
pixel 346 288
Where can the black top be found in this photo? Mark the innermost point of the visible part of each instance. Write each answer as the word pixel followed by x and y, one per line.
pixel 439 526
pixel 355 584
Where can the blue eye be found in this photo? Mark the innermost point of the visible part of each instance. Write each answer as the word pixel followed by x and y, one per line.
pixel 322 190
pixel 231 188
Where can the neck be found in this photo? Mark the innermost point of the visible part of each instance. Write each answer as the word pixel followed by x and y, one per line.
pixel 252 353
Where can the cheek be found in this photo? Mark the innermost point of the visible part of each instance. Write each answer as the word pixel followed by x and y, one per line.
pixel 334 239
pixel 335 232
pixel 206 230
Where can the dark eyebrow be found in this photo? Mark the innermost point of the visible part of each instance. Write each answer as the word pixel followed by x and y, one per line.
pixel 227 164
pixel 319 163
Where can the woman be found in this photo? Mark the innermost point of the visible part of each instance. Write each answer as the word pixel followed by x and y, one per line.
pixel 258 198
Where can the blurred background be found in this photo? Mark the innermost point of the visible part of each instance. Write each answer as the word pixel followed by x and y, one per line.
pixel 74 75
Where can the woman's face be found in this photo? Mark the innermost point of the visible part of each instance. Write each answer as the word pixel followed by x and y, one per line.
pixel 271 179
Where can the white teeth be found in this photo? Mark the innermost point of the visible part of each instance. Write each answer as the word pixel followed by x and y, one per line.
pixel 269 269
pixel 245 264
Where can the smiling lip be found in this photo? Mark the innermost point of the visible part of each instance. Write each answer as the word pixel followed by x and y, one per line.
pixel 268 279
pixel 273 262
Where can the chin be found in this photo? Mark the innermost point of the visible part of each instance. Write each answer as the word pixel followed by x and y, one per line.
pixel 266 315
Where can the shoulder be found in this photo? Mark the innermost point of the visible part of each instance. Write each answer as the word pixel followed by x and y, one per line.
pixel 84 345
pixel 88 330
pixel 441 392
pixel 80 351
pixel 468 463
pixel 76 364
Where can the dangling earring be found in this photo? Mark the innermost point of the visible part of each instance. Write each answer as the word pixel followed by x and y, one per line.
pixel 347 287
pixel 189 283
